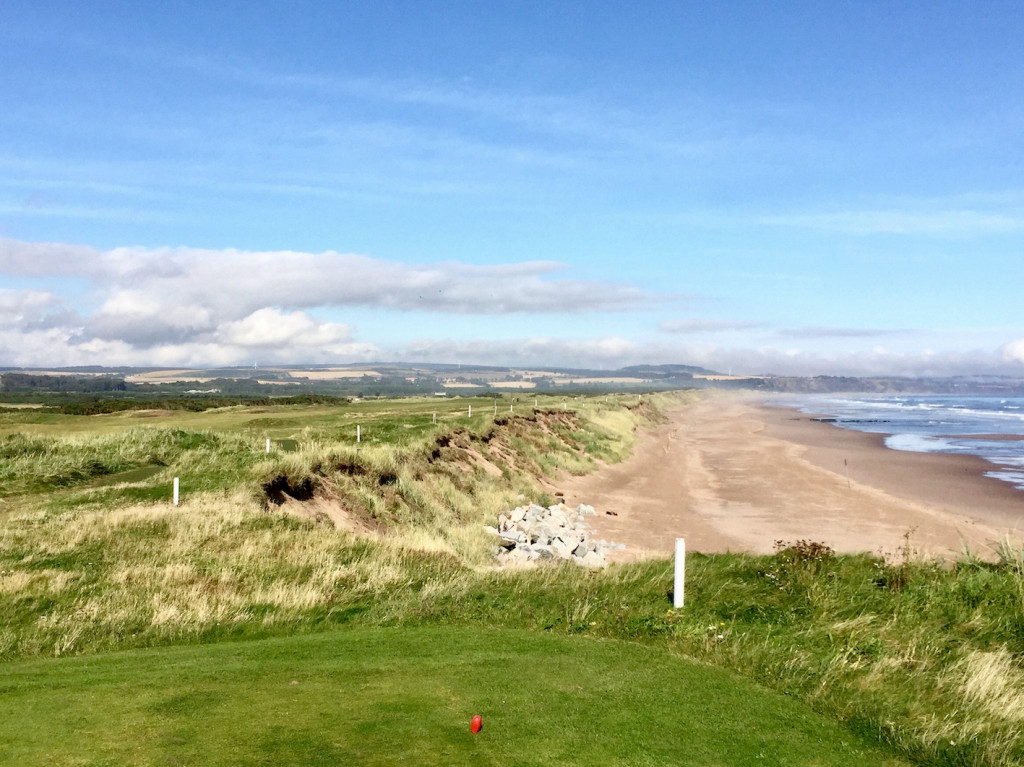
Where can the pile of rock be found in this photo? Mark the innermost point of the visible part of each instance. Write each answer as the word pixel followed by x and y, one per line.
pixel 530 534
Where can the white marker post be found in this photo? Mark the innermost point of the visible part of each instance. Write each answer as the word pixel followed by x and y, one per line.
pixel 510 408
pixel 470 411
pixel 535 401
pixel 359 434
pixel 175 491
pixel 680 583
pixel 268 444
pixel 435 417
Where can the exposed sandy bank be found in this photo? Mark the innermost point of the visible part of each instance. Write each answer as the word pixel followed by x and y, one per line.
pixel 729 474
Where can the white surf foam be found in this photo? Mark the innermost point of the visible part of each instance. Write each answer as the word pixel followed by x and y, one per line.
pixel 915 443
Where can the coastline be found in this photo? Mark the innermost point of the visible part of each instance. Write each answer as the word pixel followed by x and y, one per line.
pixel 731 473
pixel 953 483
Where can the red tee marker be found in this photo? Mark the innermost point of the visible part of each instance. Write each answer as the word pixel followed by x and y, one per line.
pixel 476 724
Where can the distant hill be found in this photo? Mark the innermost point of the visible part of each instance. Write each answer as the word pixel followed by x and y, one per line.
pixel 665 371
pixel 403 379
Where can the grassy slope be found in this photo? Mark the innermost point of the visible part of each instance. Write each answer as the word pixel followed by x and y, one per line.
pixel 85 566
pixel 387 696
pixel 63 461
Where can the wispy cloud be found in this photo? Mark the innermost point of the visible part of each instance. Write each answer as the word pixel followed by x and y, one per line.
pixel 827 332
pixel 949 222
pixel 612 352
pixel 602 352
pixel 707 326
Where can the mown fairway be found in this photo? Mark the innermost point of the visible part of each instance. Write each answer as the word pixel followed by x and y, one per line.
pixel 389 696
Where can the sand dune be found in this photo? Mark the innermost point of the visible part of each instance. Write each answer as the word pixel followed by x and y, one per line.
pixel 730 474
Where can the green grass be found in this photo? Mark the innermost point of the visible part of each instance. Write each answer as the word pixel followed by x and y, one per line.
pixel 64 461
pixel 93 555
pixel 385 696
pixel 923 657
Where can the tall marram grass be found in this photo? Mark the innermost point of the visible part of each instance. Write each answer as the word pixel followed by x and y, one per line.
pixel 83 568
pixel 448 481
pixel 148 574
pixel 72 470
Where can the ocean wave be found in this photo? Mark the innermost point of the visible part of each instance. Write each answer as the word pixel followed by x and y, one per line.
pixel 918 443
pixel 1015 478
pixel 934 424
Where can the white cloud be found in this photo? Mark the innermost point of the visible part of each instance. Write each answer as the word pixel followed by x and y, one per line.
pixel 17 305
pixel 270 328
pixel 237 283
pixel 1013 351
pixel 141 318
pixel 193 306
pixel 44 259
pixel 55 347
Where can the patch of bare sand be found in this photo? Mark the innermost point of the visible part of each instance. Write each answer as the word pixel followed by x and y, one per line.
pixel 478 458
pixel 323 508
pixel 729 475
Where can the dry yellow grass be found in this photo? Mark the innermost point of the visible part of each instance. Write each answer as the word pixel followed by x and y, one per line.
pixel 604 380
pixel 994 681
pixel 207 562
pixel 514 384
pixel 224 558
pixel 168 376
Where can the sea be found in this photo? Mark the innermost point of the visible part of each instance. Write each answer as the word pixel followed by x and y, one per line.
pixel 990 427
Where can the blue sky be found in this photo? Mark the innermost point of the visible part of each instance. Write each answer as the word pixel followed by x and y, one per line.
pixel 812 188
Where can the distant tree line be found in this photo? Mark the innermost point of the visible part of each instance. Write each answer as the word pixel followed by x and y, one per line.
pixel 99 406
pixel 29 382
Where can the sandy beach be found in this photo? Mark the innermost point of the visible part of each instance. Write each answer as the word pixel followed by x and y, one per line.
pixel 729 473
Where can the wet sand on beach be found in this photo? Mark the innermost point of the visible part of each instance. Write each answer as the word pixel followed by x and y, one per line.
pixel 728 473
